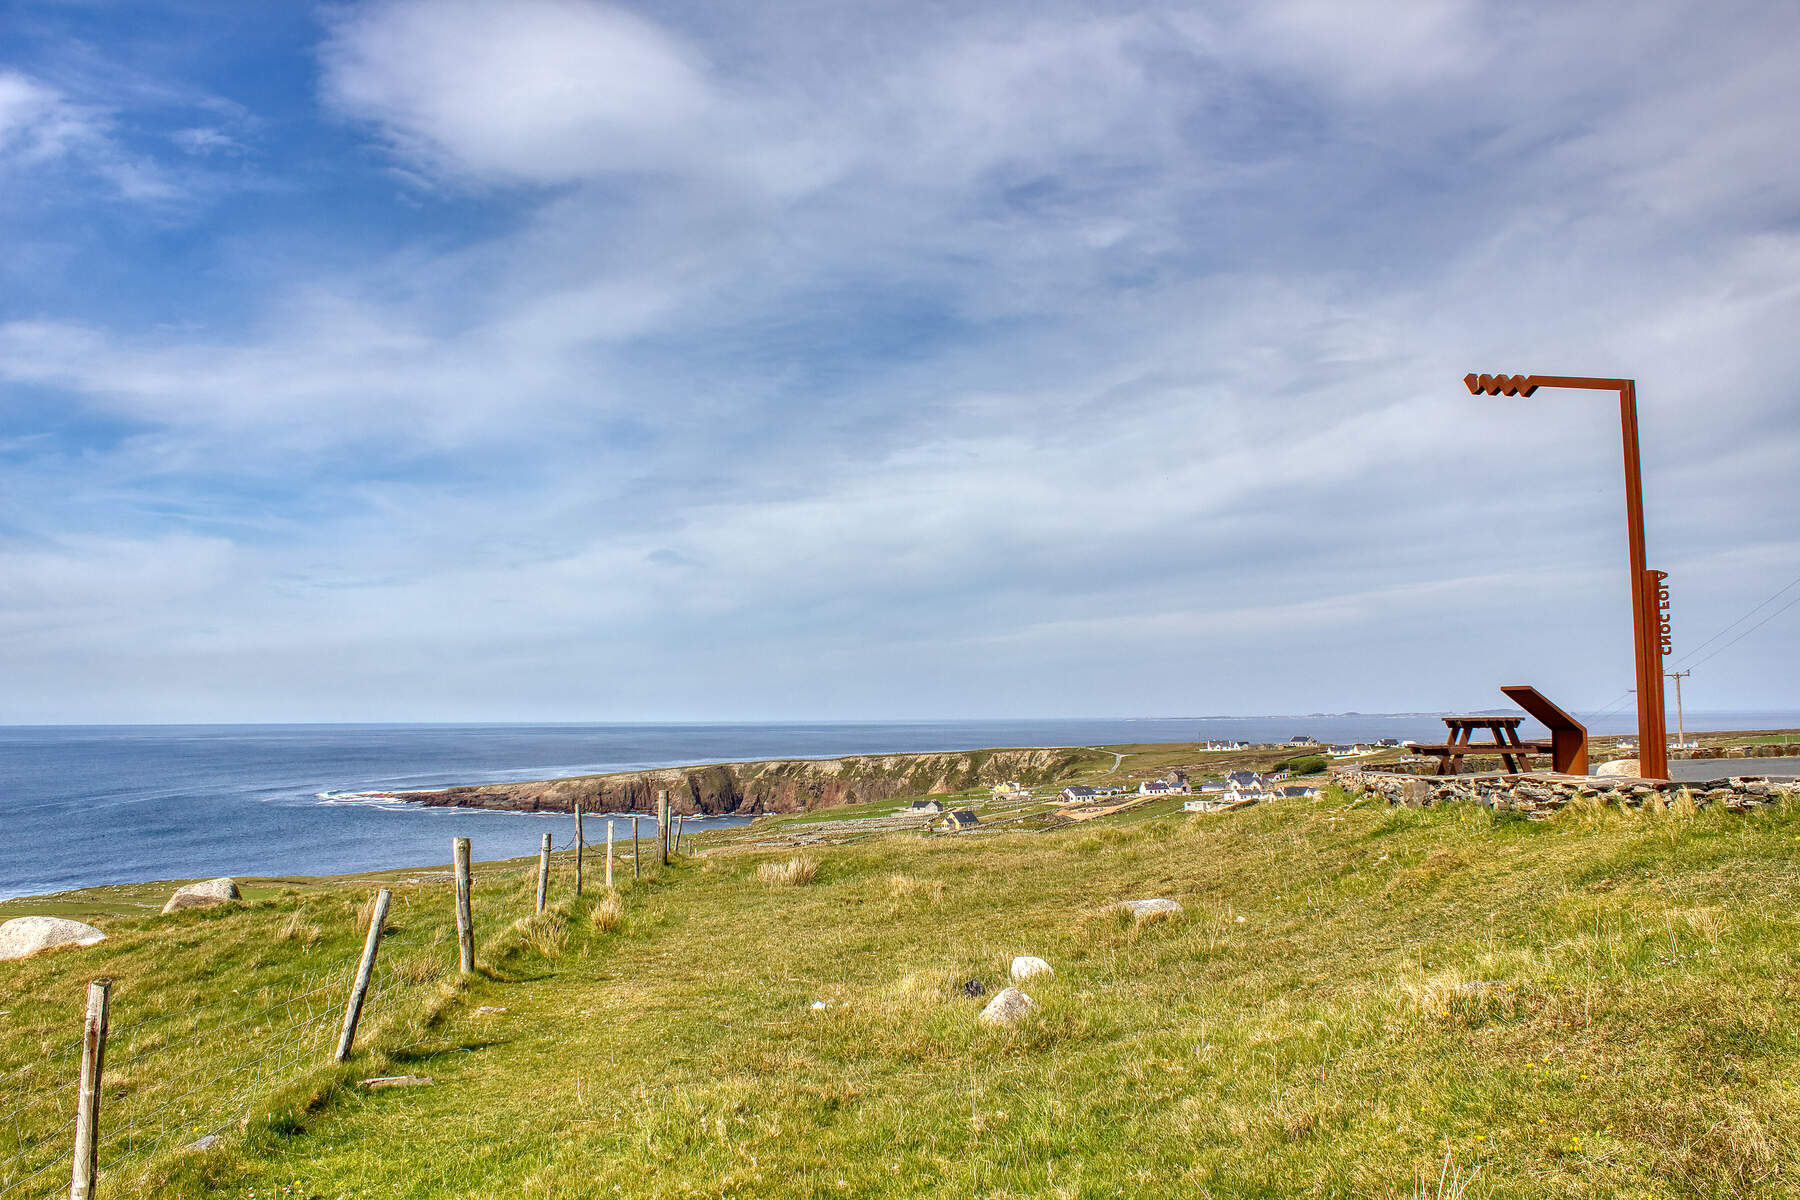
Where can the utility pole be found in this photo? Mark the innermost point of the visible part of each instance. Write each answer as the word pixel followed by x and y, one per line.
pixel 1680 721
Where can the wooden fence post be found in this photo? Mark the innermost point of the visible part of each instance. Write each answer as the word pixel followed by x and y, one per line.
pixel 543 872
pixel 662 826
pixel 578 847
pixel 87 1104
pixel 465 921
pixel 680 824
pixel 634 848
pixel 609 854
pixel 359 989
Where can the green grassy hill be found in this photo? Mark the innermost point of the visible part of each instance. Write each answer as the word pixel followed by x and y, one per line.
pixel 1604 1004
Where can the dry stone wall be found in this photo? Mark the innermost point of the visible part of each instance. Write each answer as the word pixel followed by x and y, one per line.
pixel 1539 795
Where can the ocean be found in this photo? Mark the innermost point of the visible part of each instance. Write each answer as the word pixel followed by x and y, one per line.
pixel 82 806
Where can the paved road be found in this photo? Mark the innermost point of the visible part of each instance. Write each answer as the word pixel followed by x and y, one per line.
pixel 1696 769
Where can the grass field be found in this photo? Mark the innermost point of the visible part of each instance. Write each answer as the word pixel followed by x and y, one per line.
pixel 1605 1004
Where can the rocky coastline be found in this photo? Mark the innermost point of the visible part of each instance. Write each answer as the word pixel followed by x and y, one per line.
pixel 776 786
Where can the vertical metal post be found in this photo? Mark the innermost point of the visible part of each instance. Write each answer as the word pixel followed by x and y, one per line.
pixel 87 1105
pixel 1653 740
pixel 465 920
pixel 609 854
pixel 359 989
pixel 636 858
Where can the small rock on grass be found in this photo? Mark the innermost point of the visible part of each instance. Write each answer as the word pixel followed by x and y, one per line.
pixel 1007 1008
pixel 205 1143
pixel 974 989
pixel 488 1009
pixel 1029 966
pixel 1147 909
pixel 394 1081
pixel 204 894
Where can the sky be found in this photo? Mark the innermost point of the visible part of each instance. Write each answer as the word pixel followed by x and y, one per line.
pixel 546 360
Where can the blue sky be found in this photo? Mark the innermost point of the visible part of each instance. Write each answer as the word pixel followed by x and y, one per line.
pixel 549 360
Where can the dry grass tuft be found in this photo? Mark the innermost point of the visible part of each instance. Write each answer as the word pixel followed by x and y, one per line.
pixel 295 929
pixel 1683 808
pixel 905 887
pixel 547 933
pixel 609 914
pixel 420 969
pixel 1451 1184
pixel 795 872
pixel 366 913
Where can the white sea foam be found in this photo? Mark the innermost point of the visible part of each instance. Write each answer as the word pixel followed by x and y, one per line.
pixel 385 801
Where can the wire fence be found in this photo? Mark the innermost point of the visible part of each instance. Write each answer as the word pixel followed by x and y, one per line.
pixel 177 1077
pixel 182 1065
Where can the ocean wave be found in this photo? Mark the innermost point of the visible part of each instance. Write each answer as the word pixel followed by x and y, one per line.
pixel 385 801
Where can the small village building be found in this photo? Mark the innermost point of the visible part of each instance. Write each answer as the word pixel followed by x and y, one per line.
pixel 1160 787
pixel 1009 789
pixel 1197 804
pixel 1209 786
pixel 1301 739
pixel 1300 792
pixel 961 819
pixel 926 806
pixel 1078 794
pixel 1389 743
pixel 1227 745
pixel 1343 751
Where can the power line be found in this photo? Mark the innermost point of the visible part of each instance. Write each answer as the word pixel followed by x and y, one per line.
pixel 1740 637
pixel 1728 628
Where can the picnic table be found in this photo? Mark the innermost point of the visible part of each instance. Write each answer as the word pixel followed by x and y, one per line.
pixel 1505 743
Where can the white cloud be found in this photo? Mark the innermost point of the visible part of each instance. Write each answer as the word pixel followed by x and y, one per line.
pixel 544 91
pixel 39 124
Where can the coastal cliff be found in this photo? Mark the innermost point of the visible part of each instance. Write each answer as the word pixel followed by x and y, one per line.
pixel 782 786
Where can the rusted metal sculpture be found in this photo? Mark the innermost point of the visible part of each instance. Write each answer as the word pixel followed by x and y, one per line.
pixel 1649 598
pixel 1568 737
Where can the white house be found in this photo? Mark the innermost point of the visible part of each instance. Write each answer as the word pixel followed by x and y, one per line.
pixel 926 806
pixel 1226 745
pixel 1078 794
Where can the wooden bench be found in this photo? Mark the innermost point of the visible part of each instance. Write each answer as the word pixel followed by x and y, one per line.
pixel 1505 745
pixel 1567 746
